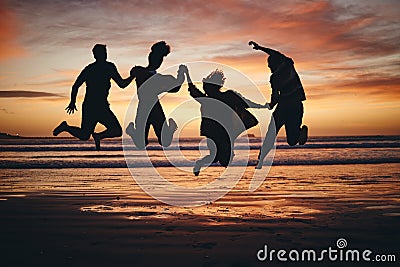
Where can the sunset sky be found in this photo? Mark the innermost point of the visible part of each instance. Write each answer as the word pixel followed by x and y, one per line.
pixel 347 54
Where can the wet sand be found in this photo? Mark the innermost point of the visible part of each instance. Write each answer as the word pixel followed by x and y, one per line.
pixel 50 218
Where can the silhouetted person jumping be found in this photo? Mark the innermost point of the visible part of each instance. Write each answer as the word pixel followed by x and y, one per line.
pixel 218 118
pixel 287 94
pixel 95 107
pixel 150 85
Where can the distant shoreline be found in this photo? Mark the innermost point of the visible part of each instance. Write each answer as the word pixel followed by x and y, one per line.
pixel 9 136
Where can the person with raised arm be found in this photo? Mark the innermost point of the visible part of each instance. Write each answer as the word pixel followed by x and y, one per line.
pixel 95 107
pixel 288 96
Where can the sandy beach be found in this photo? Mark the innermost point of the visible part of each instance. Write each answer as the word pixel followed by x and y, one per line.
pixel 102 218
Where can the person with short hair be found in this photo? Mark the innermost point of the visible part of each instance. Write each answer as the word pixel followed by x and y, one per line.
pixel 288 96
pixel 95 107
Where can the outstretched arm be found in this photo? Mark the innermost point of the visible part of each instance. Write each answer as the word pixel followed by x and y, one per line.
pixel 269 51
pixel 251 104
pixel 71 108
pixel 122 83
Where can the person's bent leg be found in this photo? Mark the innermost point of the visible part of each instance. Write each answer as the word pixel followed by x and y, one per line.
pixel 60 128
pixel 167 132
pixel 303 135
pixel 110 133
pixel 225 151
pixel 293 123
pixel 88 124
pixel 273 128
pixel 207 160
pixel 82 134
pixel 130 130
pixel 139 133
pixel 113 128
pixel 164 131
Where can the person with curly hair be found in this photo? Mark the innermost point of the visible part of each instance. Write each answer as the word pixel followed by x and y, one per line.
pixel 218 111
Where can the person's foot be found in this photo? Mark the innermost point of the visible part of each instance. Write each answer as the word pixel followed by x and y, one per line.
pixel 172 125
pixel 168 133
pixel 130 129
pixel 60 128
pixel 259 165
pixel 259 162
pixel 196 169
pixel 303 135
pixel 96 138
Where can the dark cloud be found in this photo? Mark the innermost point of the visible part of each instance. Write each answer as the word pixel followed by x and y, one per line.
pixel 26 94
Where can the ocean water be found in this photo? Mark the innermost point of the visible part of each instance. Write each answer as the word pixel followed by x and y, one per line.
pixel 361 170
pixel 71 153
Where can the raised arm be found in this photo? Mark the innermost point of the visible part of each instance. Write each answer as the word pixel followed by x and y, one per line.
pixel 188 78
pixel 180 78
pixel 269 51
pixel 122 83
pixel 272 53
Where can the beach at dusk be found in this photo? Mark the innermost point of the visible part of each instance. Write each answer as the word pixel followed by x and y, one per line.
pixel 190 133
pixel 65 203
